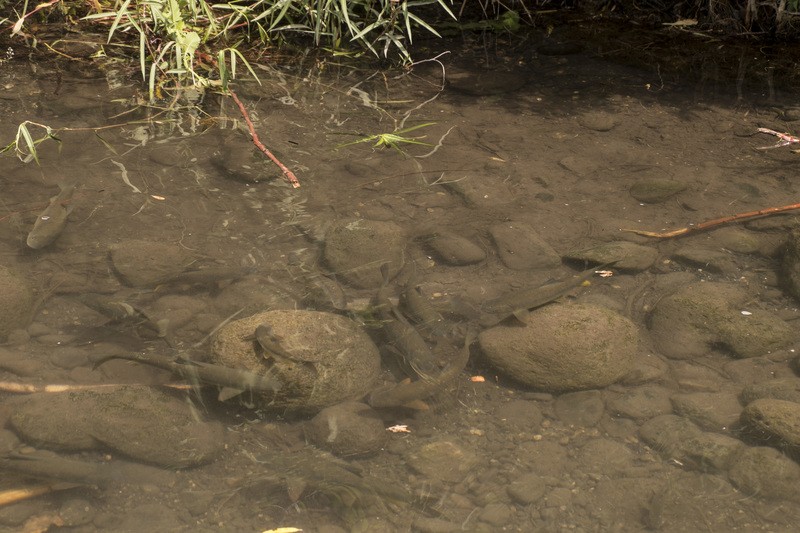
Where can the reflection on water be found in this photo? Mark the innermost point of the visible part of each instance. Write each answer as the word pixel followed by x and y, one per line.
pixel 407 341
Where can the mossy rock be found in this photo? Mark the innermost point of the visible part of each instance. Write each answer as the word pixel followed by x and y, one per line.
pixel 332 358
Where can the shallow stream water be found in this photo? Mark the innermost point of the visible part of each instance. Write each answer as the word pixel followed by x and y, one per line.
pixel 531 155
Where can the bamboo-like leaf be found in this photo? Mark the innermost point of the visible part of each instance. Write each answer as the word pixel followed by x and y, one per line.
pixel 142 55
pixel 31 146
pixel 121 12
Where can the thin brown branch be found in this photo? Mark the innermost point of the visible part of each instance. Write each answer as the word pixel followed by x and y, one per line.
pixel 708 224
pixel 286 172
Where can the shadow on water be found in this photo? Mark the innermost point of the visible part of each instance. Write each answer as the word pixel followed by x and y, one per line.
pixel 617 407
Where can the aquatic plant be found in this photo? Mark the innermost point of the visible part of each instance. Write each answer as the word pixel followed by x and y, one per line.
pixel 181 42
pixel 393 139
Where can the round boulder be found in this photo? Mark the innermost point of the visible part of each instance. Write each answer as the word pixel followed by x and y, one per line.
pixel 766 473
pixel 324 358
pixel 700 316
pixel 347 429
pixel 774 421
pixel 135 420
pixel 147 263
pixel 564 347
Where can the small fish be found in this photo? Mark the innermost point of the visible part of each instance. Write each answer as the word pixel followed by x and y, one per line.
pixel 409 393
pixel 421 311
pixel 233 381
pixel 517 303
pixel 270 343
pixel 405 337
pixel 52 220
pixel 120 311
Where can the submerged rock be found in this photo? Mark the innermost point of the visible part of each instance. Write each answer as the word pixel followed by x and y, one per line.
pixel 355 250
pixel 777 389
pixel 521 248
pixel 147 263
pixel 627 255
pixel 454 249
pixel 713 411
pixel 775 422
pixel 598 121
pixel 653 191
pixel 347 429
pixel 701 316
pixel 135 420
pixel 767 473
pixel 564 347
pixel 675 437
pixel 328 360
pixel 443 460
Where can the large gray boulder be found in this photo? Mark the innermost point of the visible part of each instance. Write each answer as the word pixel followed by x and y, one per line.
pixel 563 347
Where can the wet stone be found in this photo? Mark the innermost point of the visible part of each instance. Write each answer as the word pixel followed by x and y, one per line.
pixel 424 524
pixel 654 191
pixel 356 248
pixel 641 403
pixel 454 249
pixel 625 255
pixel 147 263
pixel 677 438
pixel 19 363
pixel 583 408
pixel 564 348
pixel 738 240
pixel 137 421
pixel 347 429
pixel 696 378
pixel 777 389
pixel 705 259
pixel 16 301
pixel 497 514
pixel 443 460
pixel 711 452
pixel 598 121
pixel 756 370
pixel 701 316
pixel 774 422
pixel 330 358
pixel 667 433
pixel 646 369
pixel 178 310
pixel 765 472
pixel 520 414
pixel 521 248
pixel 527 489
pixel 710 411
pixel 604 456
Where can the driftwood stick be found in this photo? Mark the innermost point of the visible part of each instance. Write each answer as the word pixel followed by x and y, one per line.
pixel 708 224
pixel 286 172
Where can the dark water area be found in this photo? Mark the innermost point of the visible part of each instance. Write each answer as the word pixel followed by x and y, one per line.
pixel 450 334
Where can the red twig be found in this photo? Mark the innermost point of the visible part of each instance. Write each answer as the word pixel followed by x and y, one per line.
pixel 286 172
pixel 785 139
pixel 716 222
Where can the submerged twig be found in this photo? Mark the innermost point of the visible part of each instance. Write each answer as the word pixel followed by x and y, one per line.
pixel 708 224
pixel 286 172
